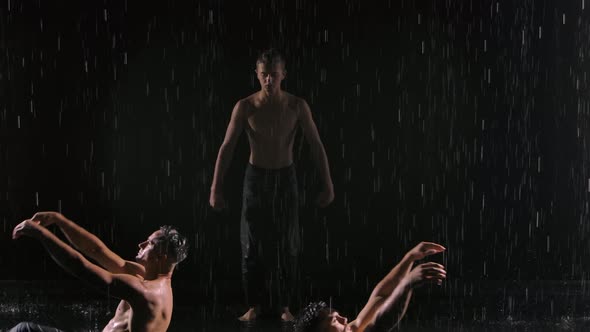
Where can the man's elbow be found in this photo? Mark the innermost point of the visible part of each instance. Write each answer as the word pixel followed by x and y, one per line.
pixel 315 145
pixel 94 275
pixel 226 152
pixel 226 149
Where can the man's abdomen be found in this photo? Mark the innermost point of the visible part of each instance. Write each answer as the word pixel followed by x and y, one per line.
pixel 271 157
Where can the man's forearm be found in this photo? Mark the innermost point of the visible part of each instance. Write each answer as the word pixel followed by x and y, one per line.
pixel 64 255
pixel 79 237
pixel 392 309
pixel 385 295
pixel 321 161
pixel 74 262
pixel 224 158
pixel 388 284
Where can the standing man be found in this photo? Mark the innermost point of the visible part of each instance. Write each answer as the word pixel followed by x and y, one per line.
pixel 269 224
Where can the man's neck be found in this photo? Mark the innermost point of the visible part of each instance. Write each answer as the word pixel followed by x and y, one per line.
pixel 266 97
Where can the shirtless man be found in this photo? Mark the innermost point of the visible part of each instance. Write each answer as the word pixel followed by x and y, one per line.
pixel 269 224
pixel 388 301
pixel 144 287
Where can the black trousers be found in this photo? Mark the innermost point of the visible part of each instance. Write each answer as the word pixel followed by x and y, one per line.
pixel 270 236
pixel 32 327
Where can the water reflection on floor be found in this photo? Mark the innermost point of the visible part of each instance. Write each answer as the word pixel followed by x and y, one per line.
pixel 549 307
pixel 93 316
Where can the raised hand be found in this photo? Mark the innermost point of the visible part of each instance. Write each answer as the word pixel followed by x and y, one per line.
pixel 47 218
pixel 26 228
pixel 426 273
pixel 424 249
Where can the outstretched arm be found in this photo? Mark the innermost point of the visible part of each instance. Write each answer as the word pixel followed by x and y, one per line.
pixel 89 244
pixel 226 153
pixel 118 285
pixel 395 307
pixel 310 131
pixel 392 294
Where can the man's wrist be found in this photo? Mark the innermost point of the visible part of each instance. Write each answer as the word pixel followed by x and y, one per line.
pixel 59 219
pixel 38 234
pixel 406 284
pixel 409 258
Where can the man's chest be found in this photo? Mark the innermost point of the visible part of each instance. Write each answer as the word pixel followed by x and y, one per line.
pixel 272 123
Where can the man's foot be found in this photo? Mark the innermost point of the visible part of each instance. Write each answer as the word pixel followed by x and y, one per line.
pixel 249 316
pixel 286 316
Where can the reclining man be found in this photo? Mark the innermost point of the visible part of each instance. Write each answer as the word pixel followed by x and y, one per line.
pixel 388 301
pixel 144 286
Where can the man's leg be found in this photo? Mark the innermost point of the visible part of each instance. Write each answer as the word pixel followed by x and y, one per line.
pixel 32 327
pixel 251 234
pixel 252 269
pixel 290 244
pixel 289 286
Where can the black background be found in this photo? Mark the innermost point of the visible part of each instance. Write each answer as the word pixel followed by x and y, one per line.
pixel 459 122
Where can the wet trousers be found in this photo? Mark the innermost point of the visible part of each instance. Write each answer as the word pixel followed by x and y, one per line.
pixel 270 236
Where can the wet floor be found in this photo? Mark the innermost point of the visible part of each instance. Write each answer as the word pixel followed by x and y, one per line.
pixel 85 317
pixel 493 306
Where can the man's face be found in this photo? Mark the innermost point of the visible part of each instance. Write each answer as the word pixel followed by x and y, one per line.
pixel 335 323
pixel 149 248
pixel 270 76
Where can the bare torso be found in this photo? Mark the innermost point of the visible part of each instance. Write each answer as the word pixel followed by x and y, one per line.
pixel 271 128
pixel 153 315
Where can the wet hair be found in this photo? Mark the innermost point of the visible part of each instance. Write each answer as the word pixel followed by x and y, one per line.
pixel 172 243
pixel 311 317
pixel 270 56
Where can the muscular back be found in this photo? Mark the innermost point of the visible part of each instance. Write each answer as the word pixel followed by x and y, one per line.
pixel 271 128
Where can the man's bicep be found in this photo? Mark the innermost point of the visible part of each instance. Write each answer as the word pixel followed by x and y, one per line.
pixel 115 264
pixel 307 124
pixel 133 268
pixel 125 287
pixel 236 124
pixel 385 315
pixel 121 286
pixel 366 318
pixel 385 322
pixel 108 259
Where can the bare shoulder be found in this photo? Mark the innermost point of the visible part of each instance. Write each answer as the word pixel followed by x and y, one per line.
pixel 134 268
pixel 244 106
pixel 137 291
pixel 133 281
pixel 248 104
pixel 296 103
pixel 249 100
pixel 157 290
pixel 353 326
pixel 127 287
pixel 291 99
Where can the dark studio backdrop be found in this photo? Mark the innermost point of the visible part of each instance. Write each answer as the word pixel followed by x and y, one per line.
pixel 460 122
